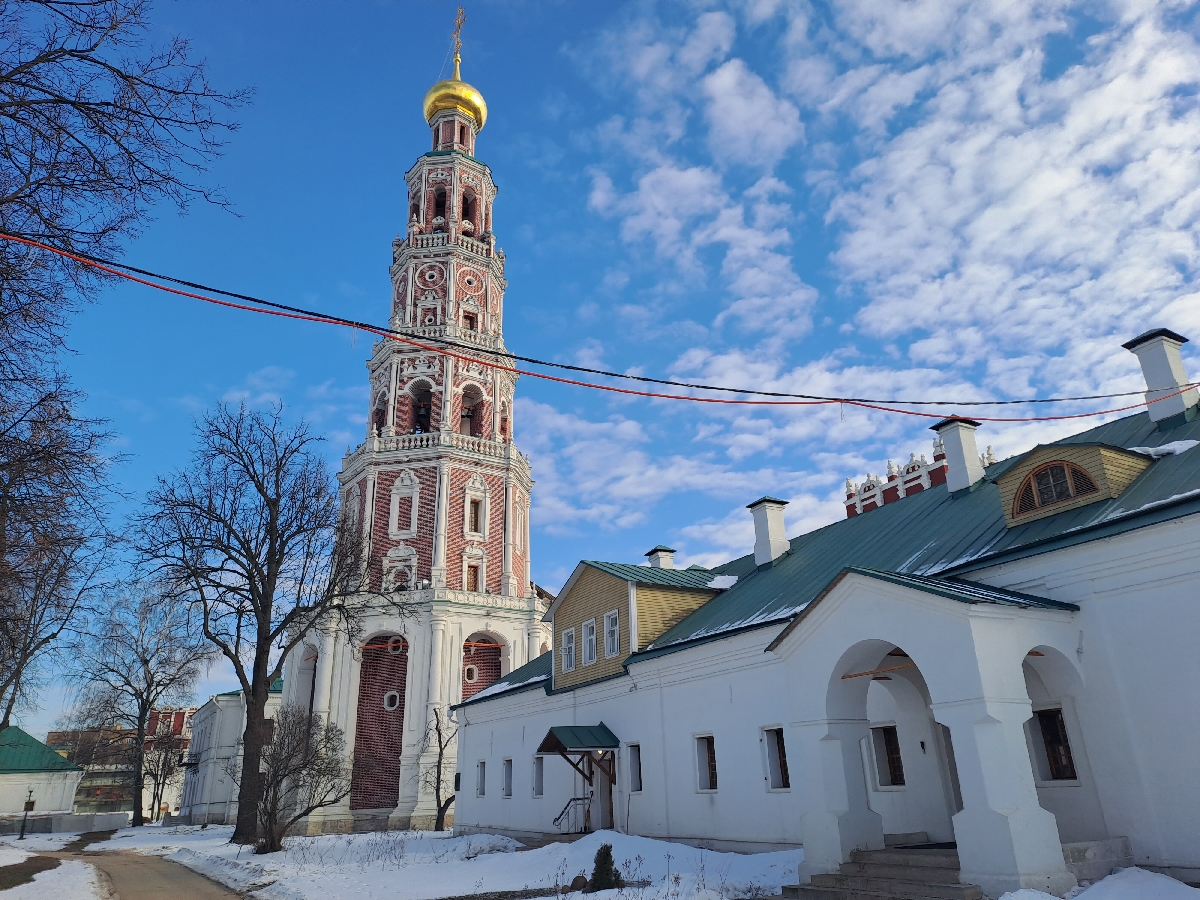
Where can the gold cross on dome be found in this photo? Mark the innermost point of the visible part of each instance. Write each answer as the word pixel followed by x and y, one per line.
pixel 458 24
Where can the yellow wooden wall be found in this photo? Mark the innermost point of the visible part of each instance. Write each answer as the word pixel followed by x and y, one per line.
pixel 660 608
pixel 593 594
pixel 1111 470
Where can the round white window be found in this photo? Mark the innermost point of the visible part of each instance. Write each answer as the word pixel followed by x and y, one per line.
pixel 471 674
pixel 396 646
pixel 391 700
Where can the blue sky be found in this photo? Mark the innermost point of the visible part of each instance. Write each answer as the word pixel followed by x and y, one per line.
pixel 920 200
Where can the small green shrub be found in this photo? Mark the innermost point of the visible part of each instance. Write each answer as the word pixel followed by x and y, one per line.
pixel 605 874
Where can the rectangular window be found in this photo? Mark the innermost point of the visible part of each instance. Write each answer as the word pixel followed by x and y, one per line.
pixel 506 786
pixel 481 780
pixel 777 770
pixel 539 769
pixel 589 642
pixel 888 764
pixel 473 578
pixel 635 768
pixel 568 650
pixel 1058 748
pixel 612 635
pixel 457 782
pixel 706 763
pixel 475 517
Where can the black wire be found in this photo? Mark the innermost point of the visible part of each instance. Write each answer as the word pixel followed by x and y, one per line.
pixel 445 342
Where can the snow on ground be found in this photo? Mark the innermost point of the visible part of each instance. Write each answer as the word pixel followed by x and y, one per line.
pixel 69 881
pixel 1126 884
pixel 421 865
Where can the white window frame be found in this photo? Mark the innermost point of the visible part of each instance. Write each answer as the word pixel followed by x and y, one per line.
pixel 475 556
pixel 878 759
pixel 539 776
pixel 506 781
pixel 405 485
pixel 562 650
pixel 481 778
pixel 589 644
pixel 476 489
pixel 699 742
pixel 612 628
pixel 636 784
pixel 772 770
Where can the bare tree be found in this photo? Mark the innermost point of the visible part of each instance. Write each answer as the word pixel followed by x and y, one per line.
pixel 439 737
pixel 53 540
pixel 304 769
pixel 250 533
pixel 95 129
pixel 145 654
pixel 162 761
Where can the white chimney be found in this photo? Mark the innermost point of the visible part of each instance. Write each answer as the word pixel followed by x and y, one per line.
pixel 770 541
pixel 662 557
pixel 1162 367
pixel 962 456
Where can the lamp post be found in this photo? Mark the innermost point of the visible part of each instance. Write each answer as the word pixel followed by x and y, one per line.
pixel 25 818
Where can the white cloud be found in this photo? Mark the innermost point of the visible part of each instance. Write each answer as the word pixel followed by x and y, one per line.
pixel 748 123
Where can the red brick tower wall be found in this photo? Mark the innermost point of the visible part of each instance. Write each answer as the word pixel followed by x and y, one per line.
pixel 378 736
pixel 486 661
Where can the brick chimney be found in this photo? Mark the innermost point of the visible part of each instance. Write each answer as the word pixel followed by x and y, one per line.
pixel 770 541
pixel 661 557
pixel 958 438
pixel 1162 367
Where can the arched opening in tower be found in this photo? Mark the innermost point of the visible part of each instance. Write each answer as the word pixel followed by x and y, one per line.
pixel 468 212
pixel 379 734
pixel 422 405
pixel 481 663
pixel 439 210
pixel 470 419
pixel 379 414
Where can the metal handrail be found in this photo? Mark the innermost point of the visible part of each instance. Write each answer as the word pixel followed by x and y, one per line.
pixel 568 808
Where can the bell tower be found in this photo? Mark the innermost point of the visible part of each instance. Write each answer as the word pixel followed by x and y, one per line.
pixel 444 490
pixel 438 491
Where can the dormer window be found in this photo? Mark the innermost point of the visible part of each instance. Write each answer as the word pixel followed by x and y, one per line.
pixel 1051 484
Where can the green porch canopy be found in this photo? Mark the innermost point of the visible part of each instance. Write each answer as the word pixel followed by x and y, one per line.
pixel 578 739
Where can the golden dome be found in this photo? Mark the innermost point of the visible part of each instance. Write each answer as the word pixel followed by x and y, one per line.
pixel 455 93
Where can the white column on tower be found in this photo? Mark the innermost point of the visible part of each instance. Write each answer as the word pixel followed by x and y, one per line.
pixel 438 575
pixel 391 412
pixel 447 395
pixel 508 584
pixel 436 650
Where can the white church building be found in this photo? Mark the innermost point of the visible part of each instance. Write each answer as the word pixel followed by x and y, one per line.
pixel 992 664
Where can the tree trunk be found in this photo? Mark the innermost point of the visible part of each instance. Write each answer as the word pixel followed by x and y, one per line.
pixel 139 774
pixel 250 788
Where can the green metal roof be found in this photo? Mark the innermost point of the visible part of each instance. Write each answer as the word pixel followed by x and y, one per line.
pixel 964 591
pixel 275 688
pixel 21 753
pixel 692 577
pixel 535 673
pixel 578 738
pixel 936 532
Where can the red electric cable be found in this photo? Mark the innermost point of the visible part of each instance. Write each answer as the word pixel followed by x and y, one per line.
pixel 316 317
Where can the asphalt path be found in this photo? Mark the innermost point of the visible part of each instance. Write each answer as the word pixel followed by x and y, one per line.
pixel 136 877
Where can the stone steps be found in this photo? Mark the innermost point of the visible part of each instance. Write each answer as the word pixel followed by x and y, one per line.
pixel 890 875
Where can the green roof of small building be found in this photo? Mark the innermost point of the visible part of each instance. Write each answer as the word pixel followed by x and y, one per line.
pixel 530 675
pixel 578 738
pixel 693 577
pixel 20 753
pixel 275 688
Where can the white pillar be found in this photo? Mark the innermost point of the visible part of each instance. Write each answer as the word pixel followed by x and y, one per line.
pixel 1006 841
pixel 391 412
pixel 508 583
pixel 447 396
pixel 436 655
pixel 835 818
pixel 438 573
pixel 323 688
